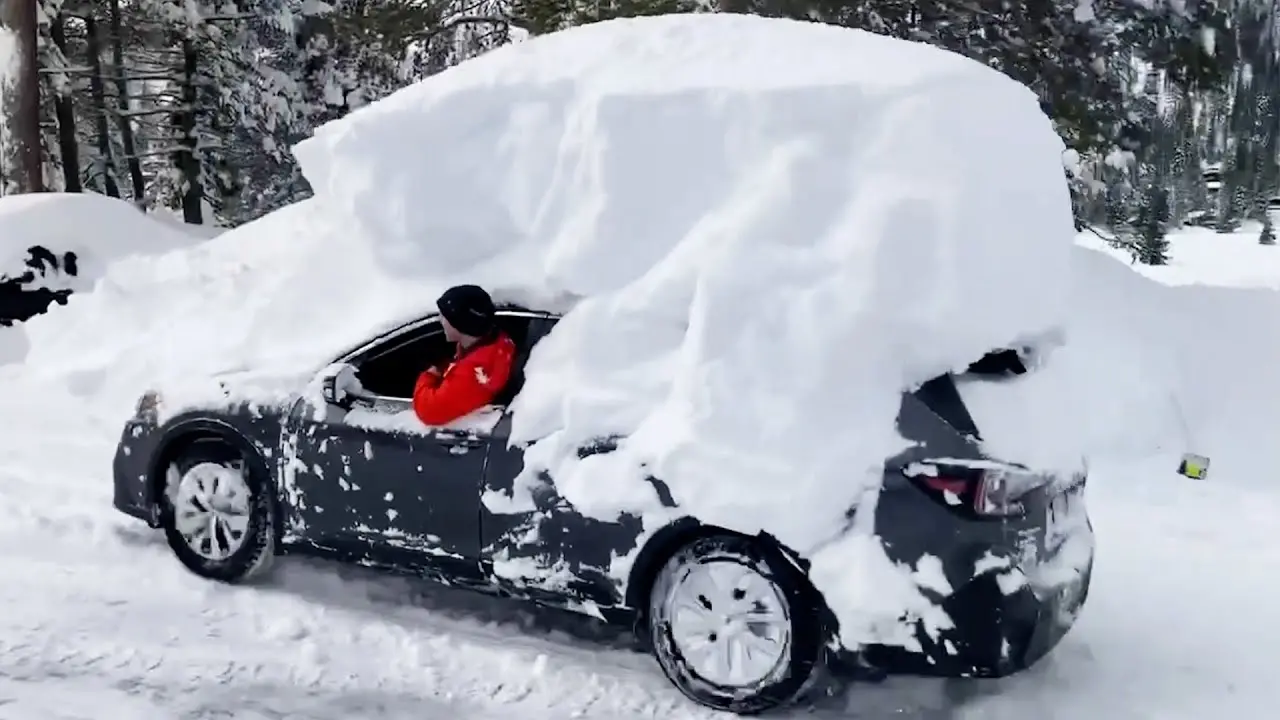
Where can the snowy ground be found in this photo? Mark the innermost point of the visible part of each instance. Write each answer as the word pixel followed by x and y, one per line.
pixel 99 621
pixel 1202 256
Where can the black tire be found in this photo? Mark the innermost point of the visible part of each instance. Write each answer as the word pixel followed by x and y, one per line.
pixel 793 672
pixel 257 546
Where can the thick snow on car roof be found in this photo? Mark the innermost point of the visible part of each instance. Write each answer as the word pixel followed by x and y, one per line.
pixel 765 229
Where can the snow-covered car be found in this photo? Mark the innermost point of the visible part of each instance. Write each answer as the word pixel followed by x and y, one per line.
pixel 32 288
pixel 732 618
pixel 51 245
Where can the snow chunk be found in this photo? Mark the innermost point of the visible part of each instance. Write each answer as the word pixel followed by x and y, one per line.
pixel 774 228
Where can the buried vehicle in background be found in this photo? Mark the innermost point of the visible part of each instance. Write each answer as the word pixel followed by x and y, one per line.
pixel 733 620
pixel 41 282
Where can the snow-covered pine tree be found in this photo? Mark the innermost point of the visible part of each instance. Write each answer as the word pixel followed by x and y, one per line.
pixel 1151 247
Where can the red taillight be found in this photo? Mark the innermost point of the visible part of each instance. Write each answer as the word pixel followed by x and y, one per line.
pixel 946 485
pixel 987 488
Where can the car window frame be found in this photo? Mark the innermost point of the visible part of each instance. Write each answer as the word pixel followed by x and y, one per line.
pixel 393 339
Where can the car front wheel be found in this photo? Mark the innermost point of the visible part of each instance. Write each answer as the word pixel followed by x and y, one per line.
pixel 217 513
pixel 731 630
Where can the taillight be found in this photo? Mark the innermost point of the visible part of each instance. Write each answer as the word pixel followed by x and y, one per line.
pixel 987 488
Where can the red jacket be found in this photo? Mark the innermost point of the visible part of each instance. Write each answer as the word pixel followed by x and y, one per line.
pixel 471 381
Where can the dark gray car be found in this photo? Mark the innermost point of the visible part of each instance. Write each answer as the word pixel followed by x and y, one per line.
pixel 732 619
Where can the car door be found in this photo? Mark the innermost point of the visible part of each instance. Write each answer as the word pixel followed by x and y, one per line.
pixel 375 480
pixel 552 552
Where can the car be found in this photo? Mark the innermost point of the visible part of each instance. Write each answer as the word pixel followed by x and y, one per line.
pixel 234 484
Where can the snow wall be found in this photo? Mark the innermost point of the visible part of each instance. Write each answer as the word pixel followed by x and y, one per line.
pixel 98 229
pixel 93 228
pixel 1186 368
pixel 739 237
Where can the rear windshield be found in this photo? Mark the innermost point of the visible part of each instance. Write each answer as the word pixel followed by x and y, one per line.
pixel 941 396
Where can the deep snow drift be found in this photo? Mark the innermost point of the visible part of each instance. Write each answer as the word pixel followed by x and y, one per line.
pixel 1200 256
pixel 766 230
pixel 63 223
pixel 74 222
pixel 1183 366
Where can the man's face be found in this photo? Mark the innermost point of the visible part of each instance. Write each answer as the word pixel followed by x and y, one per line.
pixel 450 332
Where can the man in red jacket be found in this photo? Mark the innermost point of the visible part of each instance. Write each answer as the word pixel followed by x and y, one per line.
pixel 481 364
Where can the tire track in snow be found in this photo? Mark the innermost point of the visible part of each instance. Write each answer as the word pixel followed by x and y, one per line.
pixel 149 625
pixel 119 615
pixel 88 604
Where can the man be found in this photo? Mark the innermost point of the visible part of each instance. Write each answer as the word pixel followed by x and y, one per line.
pixel 481 363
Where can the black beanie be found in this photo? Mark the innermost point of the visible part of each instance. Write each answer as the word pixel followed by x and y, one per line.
pixel 468 308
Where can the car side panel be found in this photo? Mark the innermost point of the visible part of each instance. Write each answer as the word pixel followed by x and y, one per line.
pixel 347 485
pixel 543 547
pixel 553 550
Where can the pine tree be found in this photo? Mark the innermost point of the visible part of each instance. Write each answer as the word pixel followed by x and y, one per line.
pixel 1268 236
pixel 1152 247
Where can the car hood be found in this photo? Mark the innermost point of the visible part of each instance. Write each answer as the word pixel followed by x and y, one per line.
pixel 242 386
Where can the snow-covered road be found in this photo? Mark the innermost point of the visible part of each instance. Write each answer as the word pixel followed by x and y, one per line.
pixel 100 622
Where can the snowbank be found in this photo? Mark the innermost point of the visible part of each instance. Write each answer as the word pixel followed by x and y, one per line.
pixel 765 230
pixel 1179 367
pixel 96 228
pixel 1200 256
pixel 228 303
pixel 1173 359
pixel 174 219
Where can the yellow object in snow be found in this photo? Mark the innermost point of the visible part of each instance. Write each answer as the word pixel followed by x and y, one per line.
pixel 1195 467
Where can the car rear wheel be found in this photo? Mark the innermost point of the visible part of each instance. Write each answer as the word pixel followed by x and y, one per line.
pixel 731 629
pixel 217 514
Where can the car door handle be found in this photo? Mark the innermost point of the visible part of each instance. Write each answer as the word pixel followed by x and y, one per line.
pixel 454 439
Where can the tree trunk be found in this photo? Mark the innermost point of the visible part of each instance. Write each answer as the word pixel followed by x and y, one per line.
pixel 122 104
pixel 186 159
pixel 20 17
pixel 68 145
pixel 98 93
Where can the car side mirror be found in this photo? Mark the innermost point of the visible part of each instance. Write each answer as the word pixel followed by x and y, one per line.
pixel 329 389
pixel 340 387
